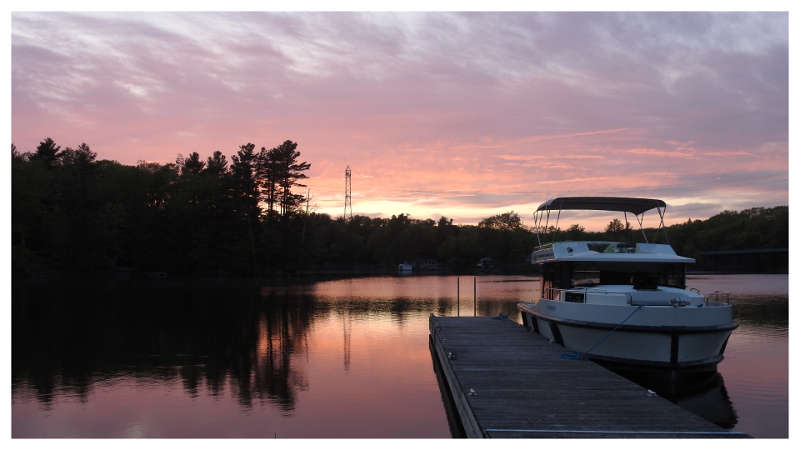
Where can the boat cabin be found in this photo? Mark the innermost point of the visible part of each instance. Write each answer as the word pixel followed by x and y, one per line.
pixel 641 266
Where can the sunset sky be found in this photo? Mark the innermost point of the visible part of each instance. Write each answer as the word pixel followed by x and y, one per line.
pixel 462 115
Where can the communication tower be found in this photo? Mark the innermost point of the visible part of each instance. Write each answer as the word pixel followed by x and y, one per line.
pixel 348 200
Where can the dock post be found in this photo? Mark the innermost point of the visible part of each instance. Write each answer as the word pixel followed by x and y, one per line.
pixel 458 296
pixel 475 296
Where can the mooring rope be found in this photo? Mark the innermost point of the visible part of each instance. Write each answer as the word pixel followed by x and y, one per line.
pixel 582 355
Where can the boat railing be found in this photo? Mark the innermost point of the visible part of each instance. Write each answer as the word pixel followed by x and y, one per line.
pixel 552 293
pixel 718 297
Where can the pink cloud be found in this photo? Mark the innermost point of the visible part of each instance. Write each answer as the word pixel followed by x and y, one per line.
pixel 661 153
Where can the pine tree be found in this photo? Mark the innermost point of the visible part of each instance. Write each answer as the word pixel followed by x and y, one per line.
pixel 243 174
pixel 192 165
pixel 216 165
pixel 47 153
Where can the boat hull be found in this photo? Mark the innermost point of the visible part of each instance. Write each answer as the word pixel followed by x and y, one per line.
pixel 639 341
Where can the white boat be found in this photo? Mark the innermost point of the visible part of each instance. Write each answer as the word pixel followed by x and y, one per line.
pixel 623 302
pixel 404 268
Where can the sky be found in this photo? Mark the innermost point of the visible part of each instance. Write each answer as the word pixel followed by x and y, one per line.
pixel 463 115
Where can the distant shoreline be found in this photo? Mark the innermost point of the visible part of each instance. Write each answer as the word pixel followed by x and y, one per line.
pixel 305 277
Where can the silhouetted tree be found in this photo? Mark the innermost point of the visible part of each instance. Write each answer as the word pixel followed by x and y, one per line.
pixel 506 221
pixel 192 165
pixel 575 232
pixel 615 226
pixel 246 192
pixel 46 153
pixel 281 171
pixel 81 157
pixel 268 172
pixel 216 165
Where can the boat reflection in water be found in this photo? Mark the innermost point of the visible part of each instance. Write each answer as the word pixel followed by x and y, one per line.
pixel 701 392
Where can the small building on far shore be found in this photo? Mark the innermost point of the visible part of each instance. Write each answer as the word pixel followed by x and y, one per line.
pixel 404 268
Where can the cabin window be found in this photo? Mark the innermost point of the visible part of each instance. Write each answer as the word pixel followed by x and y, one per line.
pixel 644 275
pixel 575 297
pixel 583 274
pixel 674 275
pixel 614 277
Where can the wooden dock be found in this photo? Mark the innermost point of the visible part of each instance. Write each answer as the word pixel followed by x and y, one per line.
pixel 507 382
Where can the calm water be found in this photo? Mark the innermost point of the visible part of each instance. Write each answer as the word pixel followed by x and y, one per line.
pixel 344 358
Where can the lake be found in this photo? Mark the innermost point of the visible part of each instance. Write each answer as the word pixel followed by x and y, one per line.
pixel 343 358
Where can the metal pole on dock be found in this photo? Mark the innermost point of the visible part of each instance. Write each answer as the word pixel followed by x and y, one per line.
pixel 458 296
pixel 475 296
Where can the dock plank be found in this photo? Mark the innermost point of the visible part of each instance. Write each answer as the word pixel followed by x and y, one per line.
pixel 507 382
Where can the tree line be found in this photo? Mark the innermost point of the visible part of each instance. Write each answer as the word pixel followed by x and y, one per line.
pixel 244 217
pixel 73 212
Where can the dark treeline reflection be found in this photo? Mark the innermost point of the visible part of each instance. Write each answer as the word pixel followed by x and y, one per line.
pixel 68 338
pixel 772 312
pixel 249 216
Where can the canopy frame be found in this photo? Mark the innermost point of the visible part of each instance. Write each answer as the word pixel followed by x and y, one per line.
pixel 635 206
pixel 622 204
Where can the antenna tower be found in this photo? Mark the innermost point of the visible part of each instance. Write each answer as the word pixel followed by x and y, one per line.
pixel 348 200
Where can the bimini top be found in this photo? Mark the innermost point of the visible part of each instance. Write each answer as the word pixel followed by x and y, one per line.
pixel 627 204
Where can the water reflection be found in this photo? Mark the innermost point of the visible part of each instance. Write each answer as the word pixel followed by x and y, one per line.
pixel 710 399
pixel 763 328
pixel 157 360
pixel 702 392
pixel 343 358
pixel 69 341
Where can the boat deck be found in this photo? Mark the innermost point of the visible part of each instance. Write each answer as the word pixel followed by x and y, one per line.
pixel 507 382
